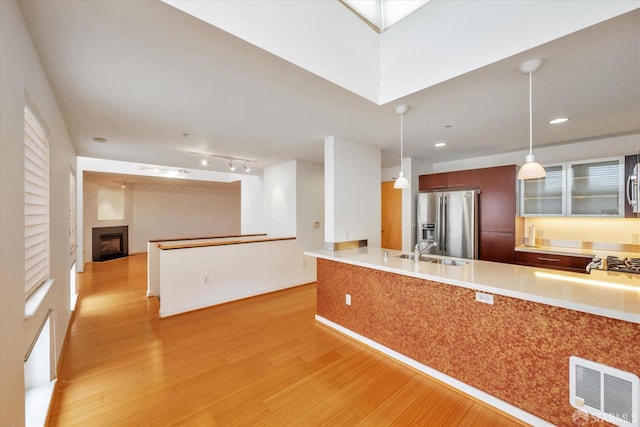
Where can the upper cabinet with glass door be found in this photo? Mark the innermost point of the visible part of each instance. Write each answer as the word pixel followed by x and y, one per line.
pixel 582 188
pixel 596 188
pixel 545 196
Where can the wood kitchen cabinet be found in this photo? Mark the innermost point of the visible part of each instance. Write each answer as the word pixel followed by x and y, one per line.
pixel 498 199
pixel 449 180
pixel 496 246
pixel 497 219
pixel 462 179
pixel 576 263
pixel 433 181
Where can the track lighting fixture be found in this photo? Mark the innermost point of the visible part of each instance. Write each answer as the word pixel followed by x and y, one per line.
pixel 206 160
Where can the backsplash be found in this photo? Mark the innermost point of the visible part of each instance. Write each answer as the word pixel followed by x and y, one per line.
pixel 600 236
pixel 605 230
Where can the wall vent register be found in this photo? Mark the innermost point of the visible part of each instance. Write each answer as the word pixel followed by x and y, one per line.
pixel 604 392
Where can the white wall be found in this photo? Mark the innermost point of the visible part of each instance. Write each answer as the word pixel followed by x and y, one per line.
pixel 413 56
pixel 280 200
pixel 593 149
pixel 310 205
pixel 251 218
pixel 352 176
pixel 251 205
pixel 171 211
pixel 20 71
pixel 164 211
pixel 331 41
pixel 90 208
pixel 410 56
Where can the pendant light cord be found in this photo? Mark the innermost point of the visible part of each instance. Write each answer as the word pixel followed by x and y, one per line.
pixel 401 142
pixel 530 114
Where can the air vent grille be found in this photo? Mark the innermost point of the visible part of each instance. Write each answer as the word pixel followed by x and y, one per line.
pixel 604 392
pixel 617 396
pixel 588 386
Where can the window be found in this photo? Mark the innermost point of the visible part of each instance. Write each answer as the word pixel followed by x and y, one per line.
pixel 36 203
pixel 72 210
pixel 383 14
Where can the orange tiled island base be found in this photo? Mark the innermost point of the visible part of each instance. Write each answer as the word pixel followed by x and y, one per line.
pixel 515 350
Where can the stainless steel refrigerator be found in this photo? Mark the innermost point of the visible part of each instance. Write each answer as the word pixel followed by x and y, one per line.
pixel 450 219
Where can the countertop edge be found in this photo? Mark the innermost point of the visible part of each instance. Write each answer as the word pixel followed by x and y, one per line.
pixel 554 302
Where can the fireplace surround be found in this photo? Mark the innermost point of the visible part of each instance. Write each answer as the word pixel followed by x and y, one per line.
pixel 110 242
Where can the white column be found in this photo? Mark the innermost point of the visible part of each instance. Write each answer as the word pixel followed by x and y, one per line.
pixel 352 191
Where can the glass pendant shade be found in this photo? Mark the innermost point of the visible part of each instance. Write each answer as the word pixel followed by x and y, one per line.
pixel 531 169
pixel 401 183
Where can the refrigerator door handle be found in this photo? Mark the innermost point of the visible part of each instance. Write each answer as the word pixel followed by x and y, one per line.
pixel 438 237
pixel 444 225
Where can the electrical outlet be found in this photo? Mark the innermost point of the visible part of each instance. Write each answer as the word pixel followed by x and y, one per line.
pixel 347 299
pixel 635 238
pixel 485 298
pixel 206 279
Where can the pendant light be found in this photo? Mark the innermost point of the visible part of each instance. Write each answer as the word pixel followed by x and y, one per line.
pixel 401 183
pixel 531 169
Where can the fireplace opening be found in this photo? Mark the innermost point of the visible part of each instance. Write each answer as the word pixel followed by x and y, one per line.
pixel 110 243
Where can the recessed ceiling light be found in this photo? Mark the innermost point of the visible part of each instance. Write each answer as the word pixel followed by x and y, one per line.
pixel 99 139
pixel 558 120
pixel 439 144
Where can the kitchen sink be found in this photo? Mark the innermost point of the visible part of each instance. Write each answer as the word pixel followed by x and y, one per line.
pixel 448 261
pixel 435 260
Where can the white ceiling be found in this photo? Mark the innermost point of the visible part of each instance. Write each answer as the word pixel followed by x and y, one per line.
pixel 142 73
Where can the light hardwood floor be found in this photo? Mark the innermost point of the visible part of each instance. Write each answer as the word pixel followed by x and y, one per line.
pixel 259 361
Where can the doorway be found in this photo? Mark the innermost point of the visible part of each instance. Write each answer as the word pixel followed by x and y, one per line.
pixel 391 218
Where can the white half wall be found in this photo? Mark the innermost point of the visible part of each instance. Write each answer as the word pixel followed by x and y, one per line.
pixel 200 277
pixel 352 176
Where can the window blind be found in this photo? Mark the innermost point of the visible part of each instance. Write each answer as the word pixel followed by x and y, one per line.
pixel 72 210
pixel 36 203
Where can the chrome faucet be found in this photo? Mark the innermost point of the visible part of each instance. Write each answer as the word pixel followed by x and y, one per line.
pixel 417 251
pixel 595 263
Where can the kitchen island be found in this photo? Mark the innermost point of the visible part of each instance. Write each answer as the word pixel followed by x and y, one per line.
pixel 513 353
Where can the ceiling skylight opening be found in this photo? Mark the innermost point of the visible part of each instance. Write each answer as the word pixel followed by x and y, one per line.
pixel 383 14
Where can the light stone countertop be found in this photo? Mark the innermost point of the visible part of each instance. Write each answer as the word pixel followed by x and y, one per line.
pixel 603 293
